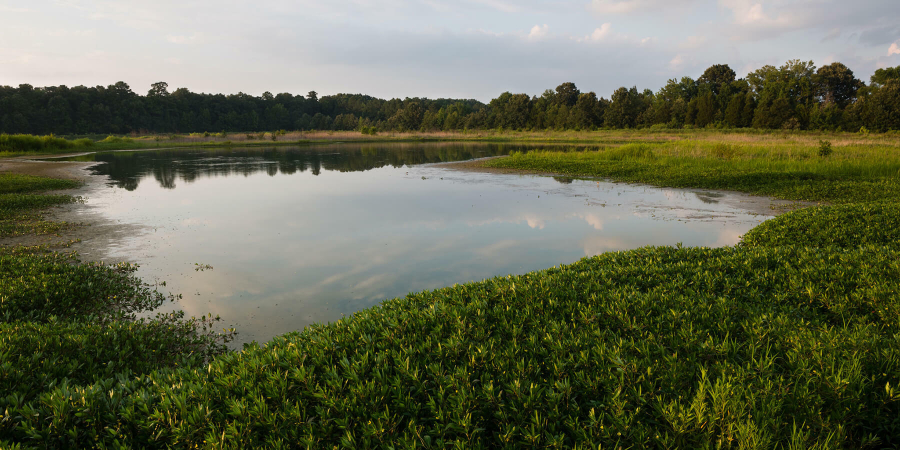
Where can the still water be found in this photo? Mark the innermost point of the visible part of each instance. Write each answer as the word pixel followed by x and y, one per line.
pixel 296 236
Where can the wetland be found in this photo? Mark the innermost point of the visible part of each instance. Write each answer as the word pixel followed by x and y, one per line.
pixel 275 239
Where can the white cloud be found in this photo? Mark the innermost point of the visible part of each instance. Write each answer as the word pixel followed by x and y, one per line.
pixel 538 32
pixel 634 6
pixel 894 49
pixel 614 6
pixel 498 5
pixel 677 62
pixel 601 33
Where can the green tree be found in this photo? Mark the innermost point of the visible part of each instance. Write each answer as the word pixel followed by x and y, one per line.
pixel 715 77
pixel 706 110
pixel 158 89
pixel 567 94
pixel 835 84
pixel 882 76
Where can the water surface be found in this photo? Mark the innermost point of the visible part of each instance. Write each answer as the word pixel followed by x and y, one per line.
pixel 302 235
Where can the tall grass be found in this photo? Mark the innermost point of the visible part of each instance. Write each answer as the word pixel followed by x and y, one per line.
pixel 26 143
pixel 788 169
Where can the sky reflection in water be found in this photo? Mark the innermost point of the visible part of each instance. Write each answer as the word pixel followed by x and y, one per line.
pixel 297 236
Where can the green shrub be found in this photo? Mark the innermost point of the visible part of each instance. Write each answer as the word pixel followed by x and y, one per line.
pixel 39 355
pixel 30 143
pixel 117 140
pixel 825 148
pixel 629 152
pixel 848 226
pixel 37 287
pixel 651 348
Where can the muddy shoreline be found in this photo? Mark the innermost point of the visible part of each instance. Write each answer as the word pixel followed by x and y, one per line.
pixel 93 233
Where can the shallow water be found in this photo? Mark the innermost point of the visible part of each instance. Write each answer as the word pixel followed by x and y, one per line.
pixel 296 236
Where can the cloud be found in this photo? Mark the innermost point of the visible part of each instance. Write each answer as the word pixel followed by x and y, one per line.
pixel 600 33
pixel 498 5
pixel 832 35
pixel 770 19
pixel 614 6
pixel 894 49
pixel 538 32
pixel 880 35
pixel 677 62
pixel 604 7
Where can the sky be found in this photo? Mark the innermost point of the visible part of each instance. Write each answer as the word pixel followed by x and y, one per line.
pixel 430 48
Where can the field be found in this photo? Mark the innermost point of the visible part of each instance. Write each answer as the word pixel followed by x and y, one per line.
pixel 790 339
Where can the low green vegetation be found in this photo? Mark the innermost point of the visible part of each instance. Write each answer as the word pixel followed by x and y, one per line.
pixel 26 143
pixel 792 347
pixel 841 226
pixel 65 324
pixel 788 340
pixel 19 204
pixel 792 170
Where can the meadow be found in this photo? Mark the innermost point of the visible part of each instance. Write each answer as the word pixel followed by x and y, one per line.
pixel 790 339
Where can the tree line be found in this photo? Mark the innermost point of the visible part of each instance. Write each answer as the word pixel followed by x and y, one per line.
pixel 793 96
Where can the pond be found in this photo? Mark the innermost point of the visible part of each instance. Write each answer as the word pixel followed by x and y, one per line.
pixel 273 240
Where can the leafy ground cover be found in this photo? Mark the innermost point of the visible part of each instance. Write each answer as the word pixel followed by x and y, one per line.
pixel 64 323
pixel 20 200
pixel 843 226
pixel 789 340
pixel 657 347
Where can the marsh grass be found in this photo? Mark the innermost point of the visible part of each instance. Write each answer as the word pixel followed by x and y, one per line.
pixel 787 169
pixel 21 200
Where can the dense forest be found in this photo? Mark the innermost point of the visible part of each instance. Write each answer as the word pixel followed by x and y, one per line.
pixel 793 96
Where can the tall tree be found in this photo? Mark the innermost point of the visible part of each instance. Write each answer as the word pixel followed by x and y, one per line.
pixel 835 84
pixel 716 76
pixel 567 94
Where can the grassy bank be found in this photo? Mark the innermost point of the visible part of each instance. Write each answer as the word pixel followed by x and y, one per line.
pixel 20 201
pixel 17 145
pixel 851 172
pixel 789 340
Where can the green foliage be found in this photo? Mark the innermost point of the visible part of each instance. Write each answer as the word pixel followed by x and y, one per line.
pixel 860 174
pixel 37 287
pixel 656 347
pixel 848 226
pixel 36 356
pixel 26 143
pixel 11 183
pixel 629 152
pixel 65 324
pixel 825 148
pixel 787 95
pixel 116 140
pixel 18 203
